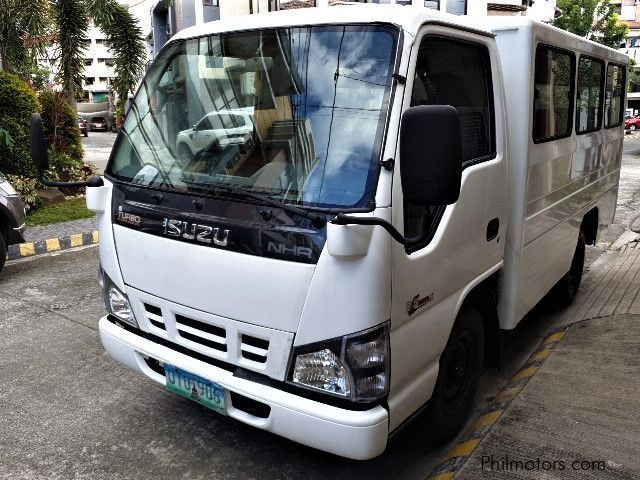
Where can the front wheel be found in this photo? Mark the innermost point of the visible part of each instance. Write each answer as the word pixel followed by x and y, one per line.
pixel 567 288
pixel 460 368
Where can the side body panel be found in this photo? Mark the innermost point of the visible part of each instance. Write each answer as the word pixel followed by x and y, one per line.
pixel 553 184
pixel 442 273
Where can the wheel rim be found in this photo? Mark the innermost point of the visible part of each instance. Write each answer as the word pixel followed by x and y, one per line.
pixel 457 372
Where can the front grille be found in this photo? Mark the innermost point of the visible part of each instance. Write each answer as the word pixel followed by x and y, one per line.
pixel 231 341
pixel 154 315
pixel 254 349
pixel 210 336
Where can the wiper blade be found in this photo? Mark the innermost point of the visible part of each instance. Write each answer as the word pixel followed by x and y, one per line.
pixel 318 220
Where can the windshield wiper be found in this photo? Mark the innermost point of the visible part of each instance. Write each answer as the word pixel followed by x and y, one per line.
pixel 317 220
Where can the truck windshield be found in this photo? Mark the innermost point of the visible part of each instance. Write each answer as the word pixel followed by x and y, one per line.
pixel 295 114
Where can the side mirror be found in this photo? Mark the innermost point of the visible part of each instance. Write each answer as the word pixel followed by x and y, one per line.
pixel 431 155
pixel 39 144
pixel 41 157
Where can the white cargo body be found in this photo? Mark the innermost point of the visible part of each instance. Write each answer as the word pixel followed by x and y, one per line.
pixel 384 189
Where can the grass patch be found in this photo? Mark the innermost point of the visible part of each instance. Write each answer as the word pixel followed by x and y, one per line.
pixel 74 209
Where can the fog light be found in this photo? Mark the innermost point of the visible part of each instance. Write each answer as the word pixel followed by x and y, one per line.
pixel 323 370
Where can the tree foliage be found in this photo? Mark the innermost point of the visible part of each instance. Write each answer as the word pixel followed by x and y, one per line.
pixel 72 22
pixel 22 24
pixel 60 123
pixel 17 103
pixel 595 20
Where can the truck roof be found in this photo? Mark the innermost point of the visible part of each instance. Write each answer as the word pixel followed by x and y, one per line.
pixel 409 18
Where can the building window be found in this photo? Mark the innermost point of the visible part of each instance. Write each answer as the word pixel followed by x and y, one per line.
pixel 210 3
pixel 99 41
pixel 89 80
pixel 614 96
pixel 88 62
pixel 290 4
pixel 553 93
pixel 86 42
pixel 589 95
pixel 435 4
pixel 457 7
pixel 103 79
pixel 101 60
pixel 110 62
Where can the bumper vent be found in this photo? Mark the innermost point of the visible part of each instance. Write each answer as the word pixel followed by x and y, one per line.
pixel 254 349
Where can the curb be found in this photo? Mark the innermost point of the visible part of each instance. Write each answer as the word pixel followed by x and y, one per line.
pixel 30 249
pixel 457 456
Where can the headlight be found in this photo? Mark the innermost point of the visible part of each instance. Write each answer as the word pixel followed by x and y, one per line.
pixel 355 367
pixel 116 302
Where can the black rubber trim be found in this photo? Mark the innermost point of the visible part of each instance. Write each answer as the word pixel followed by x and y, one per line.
pixel 249 375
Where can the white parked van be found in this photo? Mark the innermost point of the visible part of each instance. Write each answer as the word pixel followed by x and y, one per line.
pixel 414 183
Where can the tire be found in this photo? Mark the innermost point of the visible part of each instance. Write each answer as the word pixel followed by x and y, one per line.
pixel 86 133
pixel 460 367
pixel 567 288
pixel 3 247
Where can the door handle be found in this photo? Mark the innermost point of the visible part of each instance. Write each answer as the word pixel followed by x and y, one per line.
pixel 492 229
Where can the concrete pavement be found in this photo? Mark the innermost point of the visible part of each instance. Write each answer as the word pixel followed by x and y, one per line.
pixel 97 148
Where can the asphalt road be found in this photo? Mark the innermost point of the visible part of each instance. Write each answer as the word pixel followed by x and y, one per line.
pixel 67 410
pixel 97 148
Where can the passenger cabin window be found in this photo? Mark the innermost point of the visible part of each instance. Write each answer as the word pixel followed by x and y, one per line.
pixel 456 73
pixel 614 96
pixel 553 94
pixel 589 95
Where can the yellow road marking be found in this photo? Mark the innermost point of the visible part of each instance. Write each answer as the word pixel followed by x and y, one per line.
pixel 527 372
pixel 27 249
pixel 556 337
pixel 508 393
pixel 488 419
pixel 541 355
pixel 443 476
pixel 53 244
pixel 76 240
pixel 463 449
pixel 94 236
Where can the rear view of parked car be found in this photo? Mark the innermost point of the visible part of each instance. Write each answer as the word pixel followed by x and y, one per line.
pixel 82 125
pixel 99 123
pixel 12 218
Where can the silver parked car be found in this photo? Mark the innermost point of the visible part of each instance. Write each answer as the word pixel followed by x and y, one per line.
pixel 12 218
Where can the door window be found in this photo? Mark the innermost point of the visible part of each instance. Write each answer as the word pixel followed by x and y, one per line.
pixel 614 96
pixel 589 97
pixel 457 73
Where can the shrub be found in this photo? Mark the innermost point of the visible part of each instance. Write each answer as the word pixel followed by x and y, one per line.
pixel 17 103
pixel 60 123
pixel 27 188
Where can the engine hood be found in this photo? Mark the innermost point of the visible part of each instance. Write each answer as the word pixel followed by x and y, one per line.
pixel 222 259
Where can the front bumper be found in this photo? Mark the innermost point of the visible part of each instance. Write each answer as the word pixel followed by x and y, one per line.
pixel 13 208
pixel 359 435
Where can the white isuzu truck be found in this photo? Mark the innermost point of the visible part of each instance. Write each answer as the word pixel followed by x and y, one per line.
pixel 369 195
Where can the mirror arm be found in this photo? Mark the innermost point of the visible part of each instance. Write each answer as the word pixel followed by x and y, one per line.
pixel 92 182
pixel 342 219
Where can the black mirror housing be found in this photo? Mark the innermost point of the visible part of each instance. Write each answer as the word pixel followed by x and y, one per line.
pixel 39 145
pixel 431 155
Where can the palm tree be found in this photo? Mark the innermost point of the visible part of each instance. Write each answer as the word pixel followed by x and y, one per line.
pixel 25 28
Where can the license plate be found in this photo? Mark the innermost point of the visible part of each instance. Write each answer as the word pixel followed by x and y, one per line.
pixel 195 388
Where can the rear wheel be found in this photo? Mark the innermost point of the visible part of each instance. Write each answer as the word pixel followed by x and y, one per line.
pixel 460 368
pixel 567 287
pixel 3 247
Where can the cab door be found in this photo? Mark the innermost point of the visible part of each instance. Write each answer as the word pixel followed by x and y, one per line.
pixel 461 242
